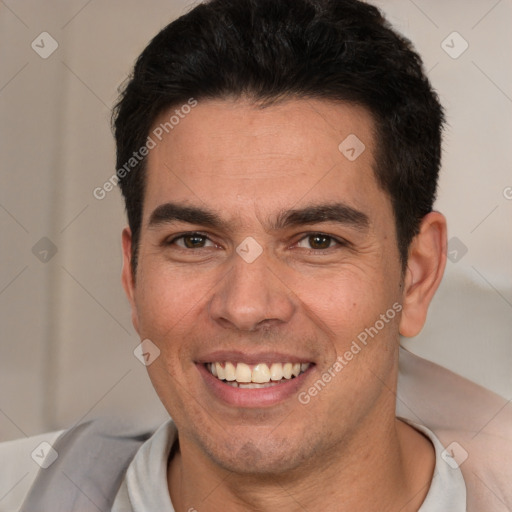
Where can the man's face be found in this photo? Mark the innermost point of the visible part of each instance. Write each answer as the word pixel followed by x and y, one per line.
pixel 298 257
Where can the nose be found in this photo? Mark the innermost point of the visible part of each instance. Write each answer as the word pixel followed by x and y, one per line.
pixel 252 296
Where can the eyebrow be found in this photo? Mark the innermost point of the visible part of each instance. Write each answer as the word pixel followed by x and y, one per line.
pixel 168 213
pixel 329 212
pixel 341 213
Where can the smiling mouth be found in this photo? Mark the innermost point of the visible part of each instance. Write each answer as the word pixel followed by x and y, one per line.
pixel 261 375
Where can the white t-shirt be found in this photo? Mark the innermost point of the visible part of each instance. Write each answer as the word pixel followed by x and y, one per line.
pixel 145 484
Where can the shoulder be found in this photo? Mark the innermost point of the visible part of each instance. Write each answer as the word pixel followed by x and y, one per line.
pixel 21 461
pixel 448 401
pixel 473 423
pixel 92 455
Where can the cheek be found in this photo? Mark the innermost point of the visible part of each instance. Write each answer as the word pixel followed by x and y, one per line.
pixel 343 299
pixel 347 307
pixel 167 302
pixel 167 306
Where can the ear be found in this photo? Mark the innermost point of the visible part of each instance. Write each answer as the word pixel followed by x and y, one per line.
pixel 425 268
pixel 127 277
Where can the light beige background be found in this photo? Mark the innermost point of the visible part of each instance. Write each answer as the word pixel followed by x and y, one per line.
pixel 66 349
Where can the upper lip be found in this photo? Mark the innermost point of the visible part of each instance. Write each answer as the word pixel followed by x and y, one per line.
pixel 235 356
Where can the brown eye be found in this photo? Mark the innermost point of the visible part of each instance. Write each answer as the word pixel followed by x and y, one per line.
pixel 320 241
pixel 317 241
pixel 192 241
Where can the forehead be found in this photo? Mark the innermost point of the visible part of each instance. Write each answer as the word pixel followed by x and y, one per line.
pixel 240 159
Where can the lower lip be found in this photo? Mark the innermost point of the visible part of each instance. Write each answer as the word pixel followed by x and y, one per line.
pixel 262 397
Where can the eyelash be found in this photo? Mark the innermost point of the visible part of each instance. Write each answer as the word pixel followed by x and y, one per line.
pixel 339 242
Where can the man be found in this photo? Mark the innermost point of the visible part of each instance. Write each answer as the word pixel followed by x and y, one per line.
pixel 279 161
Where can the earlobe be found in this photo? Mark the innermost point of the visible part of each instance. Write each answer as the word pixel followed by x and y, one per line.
pixel 127 277
pixel 425 268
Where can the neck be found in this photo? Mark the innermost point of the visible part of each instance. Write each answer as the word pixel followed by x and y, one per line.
pixel 387 468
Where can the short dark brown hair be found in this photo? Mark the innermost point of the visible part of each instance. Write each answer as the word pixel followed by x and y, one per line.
pixel 270 50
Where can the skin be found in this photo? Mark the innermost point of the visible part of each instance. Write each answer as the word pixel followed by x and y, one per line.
pixel 249 164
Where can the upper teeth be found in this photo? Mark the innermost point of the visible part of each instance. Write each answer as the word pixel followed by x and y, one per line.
pixel 260 373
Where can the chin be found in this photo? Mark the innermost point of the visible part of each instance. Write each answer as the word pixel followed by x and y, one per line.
pixel 258 457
